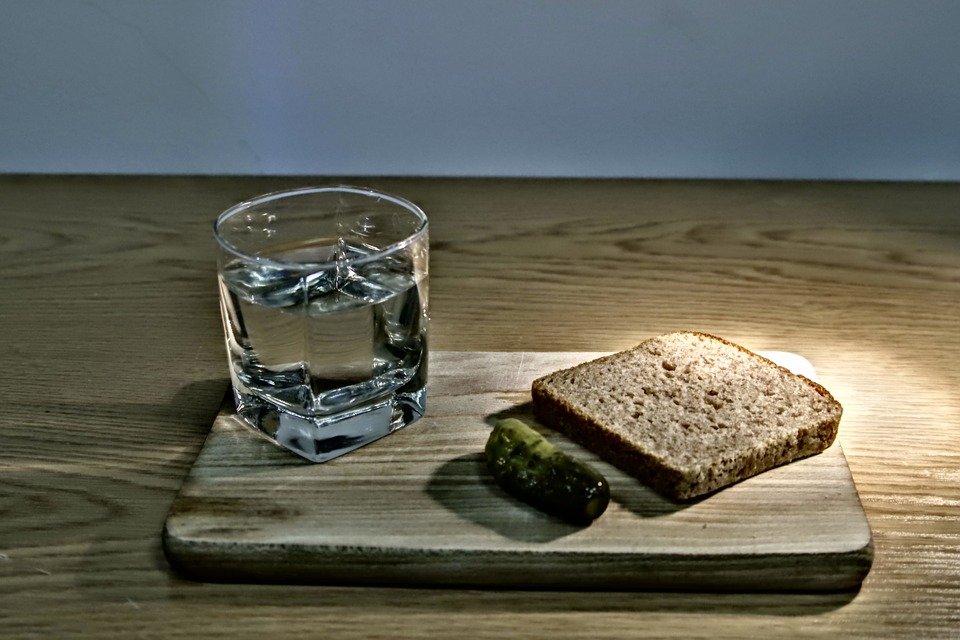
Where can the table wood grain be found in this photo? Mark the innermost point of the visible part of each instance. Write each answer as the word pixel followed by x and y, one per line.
pixel 113 369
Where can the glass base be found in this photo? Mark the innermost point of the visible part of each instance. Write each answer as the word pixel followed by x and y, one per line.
pixel 322 438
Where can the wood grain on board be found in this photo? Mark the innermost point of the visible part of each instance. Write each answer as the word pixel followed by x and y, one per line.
pixel 113 370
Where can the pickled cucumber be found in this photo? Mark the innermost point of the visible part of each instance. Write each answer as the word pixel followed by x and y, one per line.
pixel 534 470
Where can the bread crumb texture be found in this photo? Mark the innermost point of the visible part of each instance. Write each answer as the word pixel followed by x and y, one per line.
pixel 688 412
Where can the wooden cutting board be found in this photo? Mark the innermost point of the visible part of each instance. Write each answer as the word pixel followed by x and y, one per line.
pixel 419 508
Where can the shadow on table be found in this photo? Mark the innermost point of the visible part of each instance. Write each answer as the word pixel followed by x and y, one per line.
pixel 111 494
pixel 88 468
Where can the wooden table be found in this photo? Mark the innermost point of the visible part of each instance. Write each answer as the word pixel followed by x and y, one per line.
pixel 113 368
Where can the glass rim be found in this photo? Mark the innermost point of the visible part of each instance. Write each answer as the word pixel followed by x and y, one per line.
pixel 286 193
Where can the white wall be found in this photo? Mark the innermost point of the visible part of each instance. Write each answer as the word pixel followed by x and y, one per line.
pixel 859 89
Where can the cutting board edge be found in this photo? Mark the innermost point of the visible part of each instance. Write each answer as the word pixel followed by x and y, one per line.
pixel 210 561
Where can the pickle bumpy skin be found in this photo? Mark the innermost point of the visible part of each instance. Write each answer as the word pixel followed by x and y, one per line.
pixel 532 469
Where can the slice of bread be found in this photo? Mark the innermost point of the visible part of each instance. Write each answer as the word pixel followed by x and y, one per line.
pixel 688 413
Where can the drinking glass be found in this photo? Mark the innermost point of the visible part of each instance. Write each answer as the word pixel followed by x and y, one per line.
pixel 323 294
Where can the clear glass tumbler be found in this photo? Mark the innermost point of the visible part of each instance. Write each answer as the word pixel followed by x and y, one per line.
pixel 323 293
